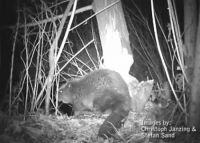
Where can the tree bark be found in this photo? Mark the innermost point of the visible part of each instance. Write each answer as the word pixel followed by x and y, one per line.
pixel 190 29
pixel 195 90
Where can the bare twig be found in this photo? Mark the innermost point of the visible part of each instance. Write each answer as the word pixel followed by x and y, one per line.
pixel 162 59
pixel 12 65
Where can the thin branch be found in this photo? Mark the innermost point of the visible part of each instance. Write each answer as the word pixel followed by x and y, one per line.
pixel 83 9
pixel 161 56
pixel 12 64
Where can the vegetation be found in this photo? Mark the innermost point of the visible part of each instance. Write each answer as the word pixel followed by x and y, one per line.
pixel 56 45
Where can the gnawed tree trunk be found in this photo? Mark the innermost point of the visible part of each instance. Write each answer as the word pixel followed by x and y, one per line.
pixel 114 36
pixel 115 42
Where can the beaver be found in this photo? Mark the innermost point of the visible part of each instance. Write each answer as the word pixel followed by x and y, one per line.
pixel 101 90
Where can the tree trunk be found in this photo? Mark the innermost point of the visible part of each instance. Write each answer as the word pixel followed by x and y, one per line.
pixel 190 28
pixel 195 90
pixel 114 36
pixel 192 58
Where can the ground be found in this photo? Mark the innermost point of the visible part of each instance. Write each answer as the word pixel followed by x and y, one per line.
pixel 81 128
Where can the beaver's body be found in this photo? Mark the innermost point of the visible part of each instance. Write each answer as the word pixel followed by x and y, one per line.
pixel 100 90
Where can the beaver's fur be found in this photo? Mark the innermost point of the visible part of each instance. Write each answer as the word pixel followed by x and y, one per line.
pixel 101 90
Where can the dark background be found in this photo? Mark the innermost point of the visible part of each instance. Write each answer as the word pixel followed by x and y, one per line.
pixel 8 17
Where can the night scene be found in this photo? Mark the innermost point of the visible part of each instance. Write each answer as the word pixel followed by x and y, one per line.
pixel 100 71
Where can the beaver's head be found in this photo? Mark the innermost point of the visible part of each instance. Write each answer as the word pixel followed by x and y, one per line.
pixel 64 93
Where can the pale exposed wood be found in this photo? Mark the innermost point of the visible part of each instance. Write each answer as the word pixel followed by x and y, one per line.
pixel 114 36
